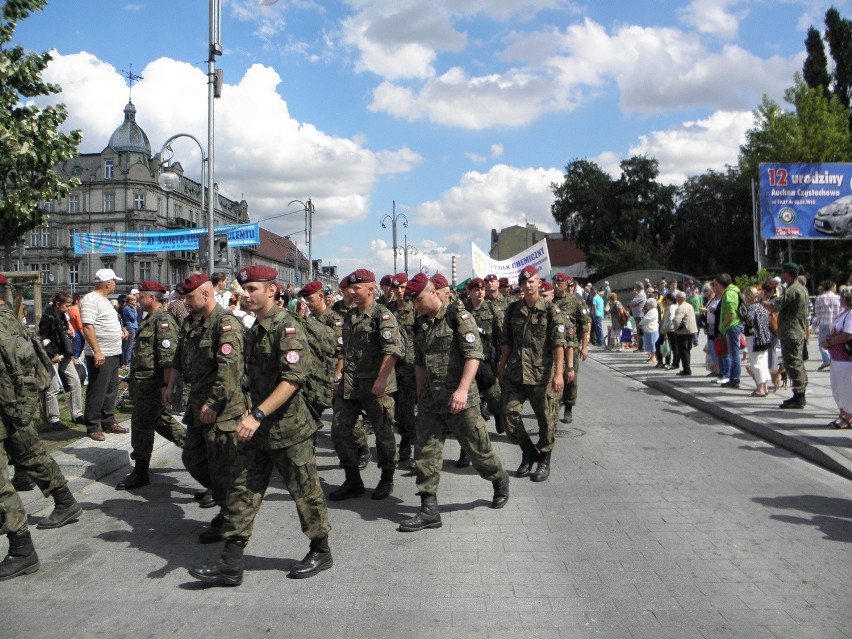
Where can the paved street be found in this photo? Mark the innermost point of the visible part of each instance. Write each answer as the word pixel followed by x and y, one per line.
pixel 658 521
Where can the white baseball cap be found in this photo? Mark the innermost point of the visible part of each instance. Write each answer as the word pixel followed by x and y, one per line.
pixel 105 275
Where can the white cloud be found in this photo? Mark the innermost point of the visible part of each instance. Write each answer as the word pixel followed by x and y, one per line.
pixel 714 17
pixel 134 7
pixel 262 154
pixel 496 151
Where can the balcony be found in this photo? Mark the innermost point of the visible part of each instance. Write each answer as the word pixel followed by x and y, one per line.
pixel 184 256
pixel 180 223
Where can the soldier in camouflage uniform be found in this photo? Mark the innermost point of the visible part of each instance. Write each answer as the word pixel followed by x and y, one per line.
pixel 372 344
pixel 574 308
pixel 19 402
pixel 405 401
pixel 216 402
pixel 792 309
pixel 154 350
pixel 447 353
pixel 531 368
pixel 277 432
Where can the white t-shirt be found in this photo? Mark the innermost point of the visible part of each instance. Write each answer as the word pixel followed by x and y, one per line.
pixel 95 309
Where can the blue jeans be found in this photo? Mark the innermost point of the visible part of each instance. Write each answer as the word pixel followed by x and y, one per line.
pixel 597 331
pixel 733 339
pixel 824 330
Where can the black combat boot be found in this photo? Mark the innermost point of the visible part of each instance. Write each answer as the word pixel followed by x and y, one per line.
pixel 363 457
pixel 542 471
pixel 228 571
pixel 796 401
pixel 138 478
pixel 404 449
pixel 66 509
pixel 351 487
pixel 464 459
pixel 385 486
pixel 318 559
pixel 214 533
pixel 500 423
pixel 501 491
pixel 568 415
pixel 530 455
pixel 427 517
pixel 22 558
pixel 22 482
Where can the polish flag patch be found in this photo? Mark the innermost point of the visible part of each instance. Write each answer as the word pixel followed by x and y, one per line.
pixel 386 317
pixel 164 325
pixel 226 328
pixel 289 330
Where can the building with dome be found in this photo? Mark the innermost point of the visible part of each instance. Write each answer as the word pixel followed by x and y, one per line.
pixel 119 192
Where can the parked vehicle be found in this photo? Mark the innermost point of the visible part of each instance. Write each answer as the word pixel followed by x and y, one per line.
pixel 835 218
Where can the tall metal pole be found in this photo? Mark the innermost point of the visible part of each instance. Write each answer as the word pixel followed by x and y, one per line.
pixel 214 50
pixel 309 231
pixel 393 217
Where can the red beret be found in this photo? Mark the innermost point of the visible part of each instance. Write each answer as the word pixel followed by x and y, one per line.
pixel 387 280
pixel 416 285
pixel 193 282
pixel 310 288
pixel 490 278
pixel 344 283
pixel 561 277
pixel 257 273
pixel 151 287
pixel 476 282
pixel 440 281
pixel 3 280
pixel 546 286
pixel 503 281
pixel 527 273
pixel 361 276
pixel 399 279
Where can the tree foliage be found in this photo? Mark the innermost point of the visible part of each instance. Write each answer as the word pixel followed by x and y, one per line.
pixel 30 141
pixel 815 68
pixel 838 33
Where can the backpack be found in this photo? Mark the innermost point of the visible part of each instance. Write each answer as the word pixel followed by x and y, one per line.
pixel 742 307
pixel 623 314
pixel 44 368
pixel 322 342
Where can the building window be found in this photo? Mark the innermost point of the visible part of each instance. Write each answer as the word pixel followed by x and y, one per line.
pixel 40 237
pixel 74 274
pixel 108 170
pixel 109 203
pixel 139 201
pixel 44 268
pixel 177 274
pixel 108 263
pixel 47 206
pixel 145 270
pixel 73 203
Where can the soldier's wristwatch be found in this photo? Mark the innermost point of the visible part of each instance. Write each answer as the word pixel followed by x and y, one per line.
pixel 258 414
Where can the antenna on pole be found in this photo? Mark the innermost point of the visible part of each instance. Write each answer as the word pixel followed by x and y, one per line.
pixel 131 78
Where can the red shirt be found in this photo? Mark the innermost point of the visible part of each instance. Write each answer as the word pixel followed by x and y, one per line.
pixel 74 317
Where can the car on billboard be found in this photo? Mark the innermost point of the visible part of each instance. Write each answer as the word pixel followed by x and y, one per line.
pixel 835 218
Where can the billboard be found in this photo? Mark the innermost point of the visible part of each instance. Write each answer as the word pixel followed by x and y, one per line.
pixel 536 255
pixel 155 241
pixel 805 201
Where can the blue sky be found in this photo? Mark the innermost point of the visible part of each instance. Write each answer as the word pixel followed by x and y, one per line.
pixel 462 111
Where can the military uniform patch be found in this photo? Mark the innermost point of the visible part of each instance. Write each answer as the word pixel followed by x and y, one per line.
pixel 387 335
pixel 226 349
pixel 340 340
pixel 570 331
pixel 293 357
pixel 289 330
pixel 470 338
pixel 386 317
pixel 584 311
pixel 465 316
pixel 165 343
pixel 226 328
pixel 164 325
pixel 561 328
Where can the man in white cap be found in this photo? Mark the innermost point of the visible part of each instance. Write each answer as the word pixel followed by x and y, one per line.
pixel 103 334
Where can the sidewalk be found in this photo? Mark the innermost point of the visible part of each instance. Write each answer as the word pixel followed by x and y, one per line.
pixel 803 432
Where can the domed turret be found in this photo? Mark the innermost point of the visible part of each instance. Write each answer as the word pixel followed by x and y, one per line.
pixel 130 137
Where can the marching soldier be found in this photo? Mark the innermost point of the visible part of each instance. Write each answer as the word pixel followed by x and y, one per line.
pixel 154 350
pixel 531 369
pixel 406 394
pixel 447 353
pixel 277 432
pixel 574 308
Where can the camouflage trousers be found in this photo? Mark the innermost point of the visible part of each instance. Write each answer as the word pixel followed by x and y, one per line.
pixel 791 355
pixel 545 405
pixel 406 400
pixel 569 393
pixel 208 455
pixel 150 416
pixel 492 398
pixel 250 477
pixel 380 413
pixel 25 450
pixel 469 429
pixel 13 516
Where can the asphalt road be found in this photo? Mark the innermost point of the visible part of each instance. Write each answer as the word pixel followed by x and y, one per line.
pixel 657 521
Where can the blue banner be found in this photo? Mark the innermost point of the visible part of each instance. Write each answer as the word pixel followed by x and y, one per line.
pixel 156 241
pixel 805 201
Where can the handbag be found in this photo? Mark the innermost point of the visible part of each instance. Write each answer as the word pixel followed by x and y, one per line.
pixel 665 348
pixel 720 346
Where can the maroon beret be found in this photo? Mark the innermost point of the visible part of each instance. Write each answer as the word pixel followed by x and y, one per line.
pixel 399 279
pixel 3 280
pixel 310 288
pixel 440 281
pixel 257 273
pixel 476 282
pixel 561 277
pixel 344 283
pixel 503 281
pixel 193 282
pixel 416 285
pixel 361 276
pixel 527 273
pixel 546 286
pixel 490 278
pixel 151 287
pixel 386 280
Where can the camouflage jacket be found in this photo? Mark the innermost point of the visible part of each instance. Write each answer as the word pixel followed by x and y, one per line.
pixel 18 385
pixel 574 308
pixel 367 338
pixel 531 333
pixel 404 313
pixel 441 347
pixel 792 310
pixel 334 321
pixel 489 318
pixel 277 351
pixel 155 347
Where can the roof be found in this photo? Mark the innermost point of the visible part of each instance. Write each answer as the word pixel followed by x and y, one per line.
pixel 129 137
pixel 279 249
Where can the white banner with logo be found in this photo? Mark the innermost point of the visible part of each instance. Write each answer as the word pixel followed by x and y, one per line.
pixel 536 255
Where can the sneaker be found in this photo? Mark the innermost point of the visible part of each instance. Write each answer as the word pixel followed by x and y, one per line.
pixel 822 367
pixel 721 380
pixel 730 385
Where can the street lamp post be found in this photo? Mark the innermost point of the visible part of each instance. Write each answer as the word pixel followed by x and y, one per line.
pixel 170 181
pixel 407 248
pixel 309 232
pixel 394 218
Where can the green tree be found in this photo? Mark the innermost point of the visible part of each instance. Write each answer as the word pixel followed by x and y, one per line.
pixel 645 207
pixel 623 255
pixel 838 33
pixel 584 206
pixel 30 141
pixel 815 69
